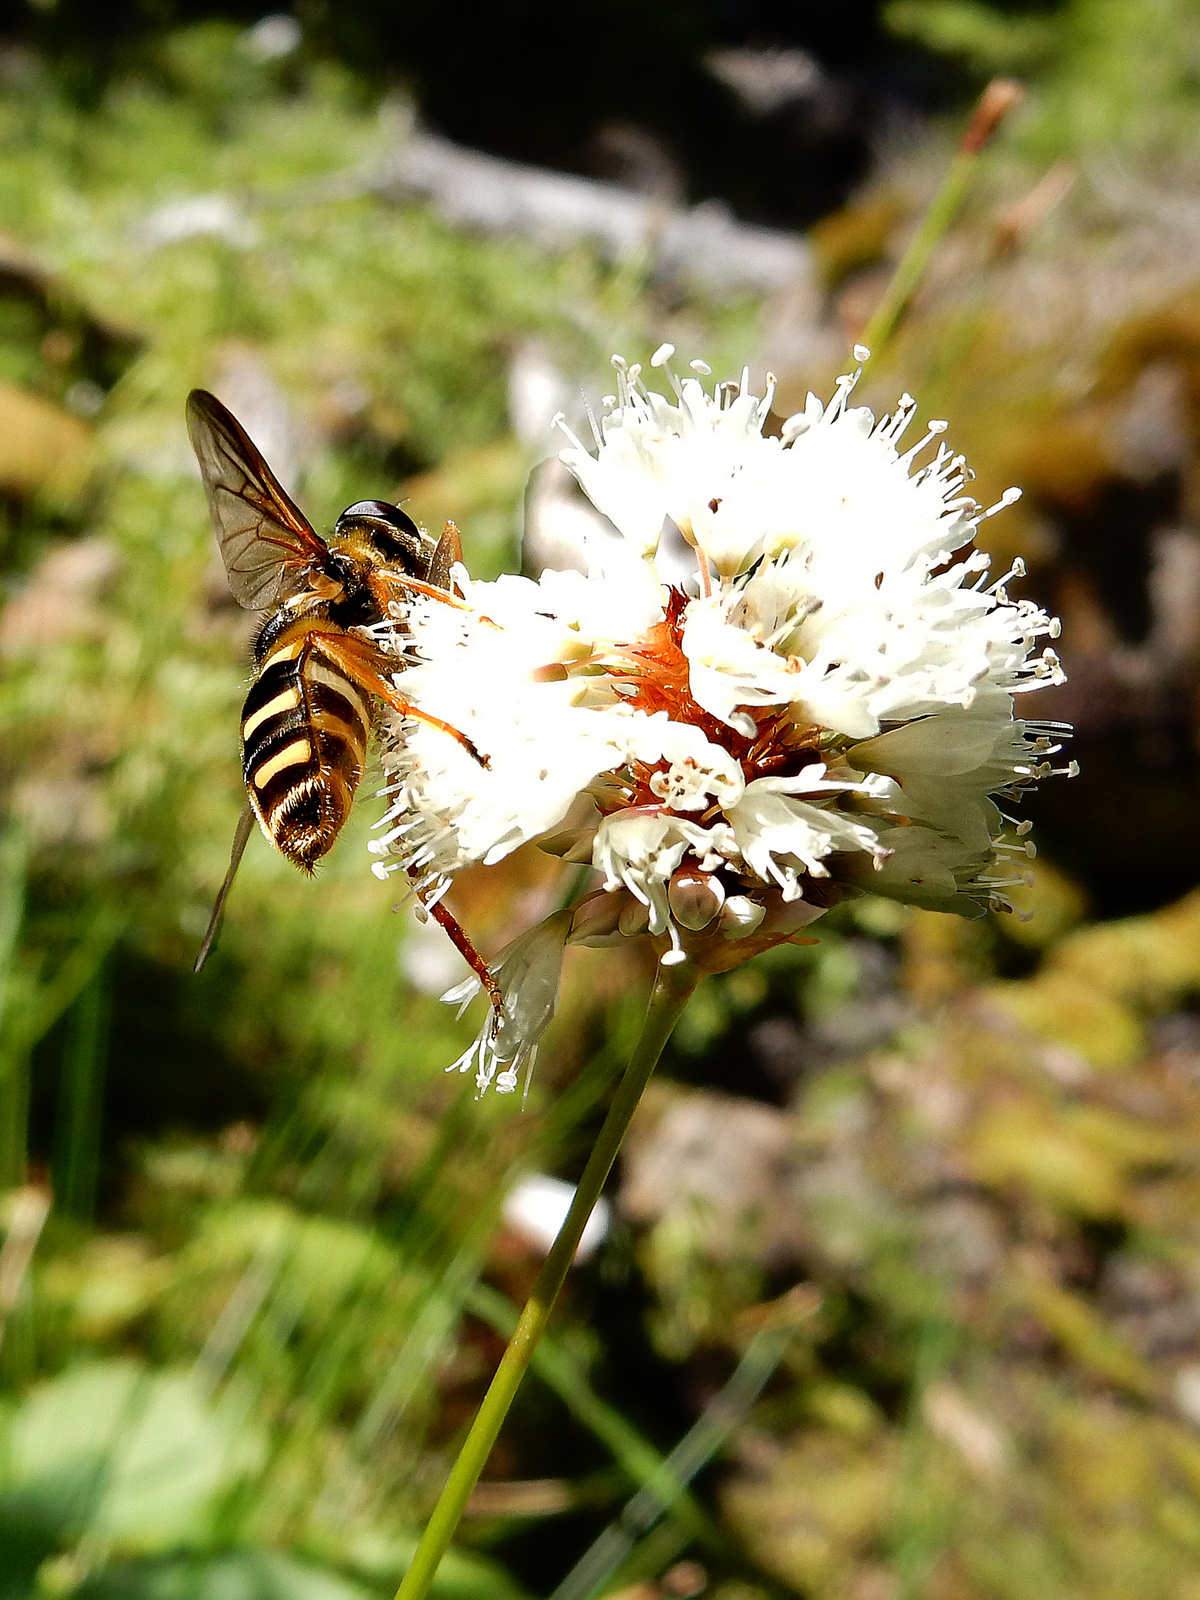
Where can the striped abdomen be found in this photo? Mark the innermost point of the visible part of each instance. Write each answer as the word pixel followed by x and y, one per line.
pixel 305 727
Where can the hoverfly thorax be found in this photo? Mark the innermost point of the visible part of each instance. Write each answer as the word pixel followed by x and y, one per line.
pixel 389 533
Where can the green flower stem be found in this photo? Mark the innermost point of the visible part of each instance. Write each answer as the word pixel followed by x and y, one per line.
pixel 14 1064
pixel 997 100
pixel 672 988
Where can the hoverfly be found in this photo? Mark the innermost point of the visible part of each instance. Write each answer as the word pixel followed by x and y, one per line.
pixel 318 669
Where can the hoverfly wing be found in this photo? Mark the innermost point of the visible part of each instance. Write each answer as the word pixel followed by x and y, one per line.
pixel 446 553
pixel 241 835
pixel 266 541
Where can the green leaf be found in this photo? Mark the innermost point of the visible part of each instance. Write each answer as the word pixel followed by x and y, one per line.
pixel 990 40
pixel 126 1454
pixel 232 1575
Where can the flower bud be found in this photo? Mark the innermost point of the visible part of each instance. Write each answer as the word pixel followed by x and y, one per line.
pixel 695 898
pixel 572 844
pixel 595 919
pixel 740 916
pixel 634 919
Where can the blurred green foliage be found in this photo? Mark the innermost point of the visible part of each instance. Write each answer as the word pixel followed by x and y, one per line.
pixel 1109 75
pixel 955 1164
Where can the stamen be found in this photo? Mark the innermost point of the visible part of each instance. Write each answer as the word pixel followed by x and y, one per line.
pixel 596 434
pixel 676 955
pixel 559 421
pixel 1017 570
pixel 768 399
pixel 891 427
pixel 932 429
pixel 705 574
pixel 1008 498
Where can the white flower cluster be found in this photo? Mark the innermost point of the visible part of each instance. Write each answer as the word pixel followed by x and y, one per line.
pixel 829 702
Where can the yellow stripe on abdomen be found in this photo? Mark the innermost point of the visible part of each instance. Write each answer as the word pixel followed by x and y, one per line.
pixel 287 700
pixel 297 753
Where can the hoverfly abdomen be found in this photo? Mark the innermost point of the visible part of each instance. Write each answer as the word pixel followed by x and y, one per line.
pixel 305 727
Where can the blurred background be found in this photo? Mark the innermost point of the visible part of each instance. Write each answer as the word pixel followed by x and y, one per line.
pixel 901 1276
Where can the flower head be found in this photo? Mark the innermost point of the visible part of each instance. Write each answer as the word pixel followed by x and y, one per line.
pixel 826 707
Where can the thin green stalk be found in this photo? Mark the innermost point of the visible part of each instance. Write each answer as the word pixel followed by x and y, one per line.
pixel 428 1338
pixel 28 1210
pixel 642 1463
pixel 703 1439
pixel 28 1012
pixel 14 1081
pixel 81 1091
pixel 997 100
pixel 671 991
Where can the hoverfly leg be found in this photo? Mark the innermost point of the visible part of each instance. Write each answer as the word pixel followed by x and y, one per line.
pixel 407 709
pixel 446 920
pixel 360 661
pixel 437 582
pixel 241 835
pixel 430 591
